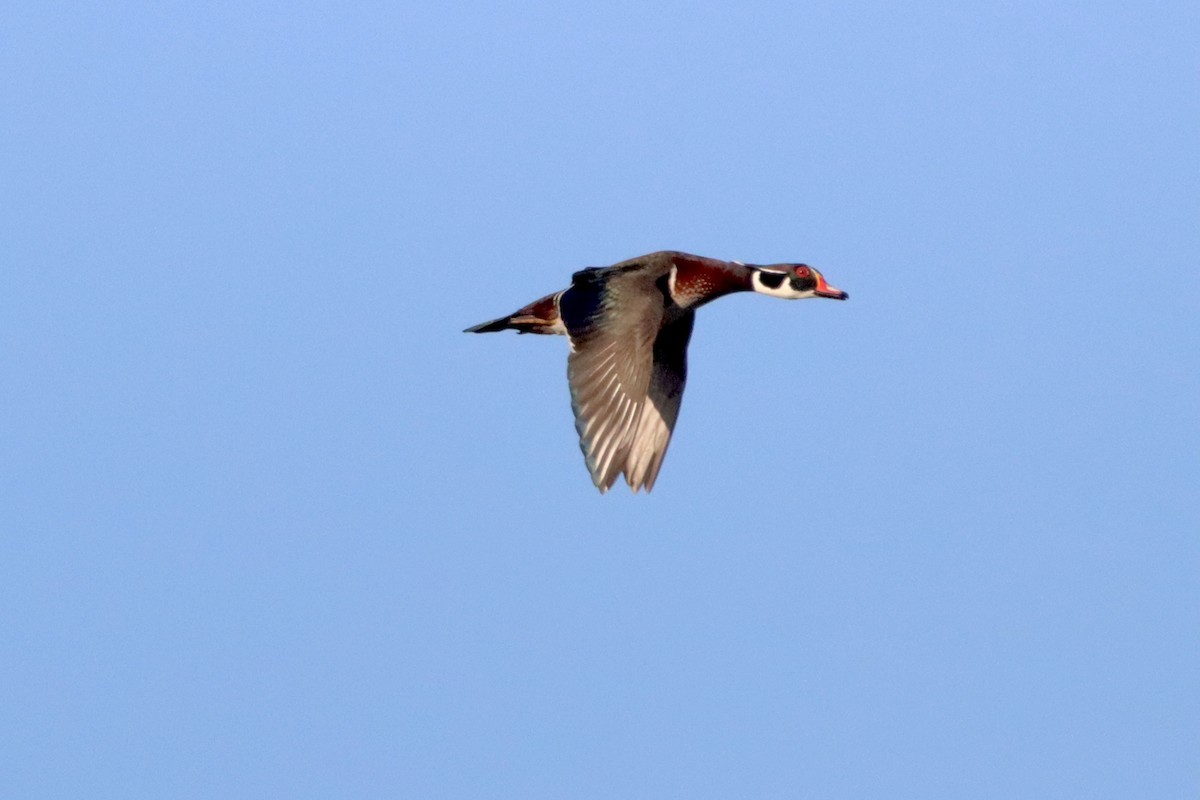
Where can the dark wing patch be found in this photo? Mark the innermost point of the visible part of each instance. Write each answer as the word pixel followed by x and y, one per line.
pixel 582 304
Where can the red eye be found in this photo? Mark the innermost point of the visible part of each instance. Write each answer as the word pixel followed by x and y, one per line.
pixel 803 272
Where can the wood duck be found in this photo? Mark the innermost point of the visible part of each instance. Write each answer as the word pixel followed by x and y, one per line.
pixel 628 326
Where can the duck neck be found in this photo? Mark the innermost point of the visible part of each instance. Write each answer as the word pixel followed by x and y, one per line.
pixel 697 280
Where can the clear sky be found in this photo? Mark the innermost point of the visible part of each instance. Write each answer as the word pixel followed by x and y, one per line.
pixel 272 527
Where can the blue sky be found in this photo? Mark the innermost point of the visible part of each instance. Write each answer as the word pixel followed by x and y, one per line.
pixel 273 527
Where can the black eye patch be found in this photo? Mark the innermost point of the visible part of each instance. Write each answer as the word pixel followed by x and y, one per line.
pixel 804 284
pixel 771 280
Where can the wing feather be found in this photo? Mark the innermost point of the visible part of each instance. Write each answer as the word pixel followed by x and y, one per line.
pixel 661 409
pixel 612 316
pixel 626 370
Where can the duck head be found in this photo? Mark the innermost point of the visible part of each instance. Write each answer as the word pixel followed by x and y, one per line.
pixel 792 282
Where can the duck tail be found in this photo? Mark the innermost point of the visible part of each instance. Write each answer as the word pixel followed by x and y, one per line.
pixel 503 323
pixel 540 316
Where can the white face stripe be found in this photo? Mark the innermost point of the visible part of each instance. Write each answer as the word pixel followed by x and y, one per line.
pixel 784 290
pixel 671 280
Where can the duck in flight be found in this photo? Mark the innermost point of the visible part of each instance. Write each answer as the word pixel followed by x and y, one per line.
pixel 628 326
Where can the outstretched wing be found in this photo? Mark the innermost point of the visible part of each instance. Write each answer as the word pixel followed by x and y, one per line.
pixel 626 370
pixel 612 316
